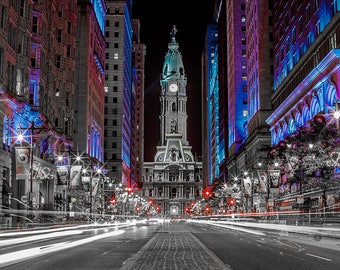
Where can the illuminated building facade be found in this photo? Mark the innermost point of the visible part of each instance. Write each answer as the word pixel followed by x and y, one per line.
pixel 36 100
pixel 237 76
pixel 138 62
pixel 174 179
pixel 212 109
pixel 90 78
pixel 305 64
pixel 118 94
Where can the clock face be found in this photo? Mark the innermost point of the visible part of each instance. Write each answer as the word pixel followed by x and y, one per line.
pixel 173 87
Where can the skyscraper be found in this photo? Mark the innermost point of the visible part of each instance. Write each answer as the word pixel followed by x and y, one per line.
pixel 118 90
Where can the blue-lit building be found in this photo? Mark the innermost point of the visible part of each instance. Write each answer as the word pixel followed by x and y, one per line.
pixel 118 90
pixel 212 108
pixel 306 79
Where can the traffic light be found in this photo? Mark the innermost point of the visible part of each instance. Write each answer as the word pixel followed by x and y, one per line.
pixel 207 193
pixel 231 201
pixel 113 200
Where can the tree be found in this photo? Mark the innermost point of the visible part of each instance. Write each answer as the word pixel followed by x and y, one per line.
pixel 309 156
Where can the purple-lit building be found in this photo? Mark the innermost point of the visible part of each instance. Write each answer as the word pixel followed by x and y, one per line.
pixel 305 66
pixel 306 70
pixel 37 89
pixel 90 79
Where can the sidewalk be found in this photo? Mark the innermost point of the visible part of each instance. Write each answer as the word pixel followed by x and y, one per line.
pixel 174 247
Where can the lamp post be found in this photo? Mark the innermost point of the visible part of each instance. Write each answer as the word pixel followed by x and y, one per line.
pixel 32 128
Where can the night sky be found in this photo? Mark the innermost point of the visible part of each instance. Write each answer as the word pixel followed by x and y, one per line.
pixel 157 17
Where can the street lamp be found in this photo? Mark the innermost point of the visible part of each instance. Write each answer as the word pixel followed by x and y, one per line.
pixel 21 138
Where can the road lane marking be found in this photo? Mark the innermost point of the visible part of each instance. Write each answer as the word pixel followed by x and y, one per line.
pixel 319 257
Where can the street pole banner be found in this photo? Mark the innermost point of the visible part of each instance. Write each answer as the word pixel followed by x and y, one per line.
pixel 22 158
pixel 274 176
pixel 95 186
pixel 75 173
pixel 62 172
pixel 247 186
pixel 263 180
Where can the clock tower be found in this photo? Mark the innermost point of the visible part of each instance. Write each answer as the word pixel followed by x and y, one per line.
pixel 173 117
pixel 174 180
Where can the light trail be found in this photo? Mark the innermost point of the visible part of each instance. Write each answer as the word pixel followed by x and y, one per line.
pixel 18 256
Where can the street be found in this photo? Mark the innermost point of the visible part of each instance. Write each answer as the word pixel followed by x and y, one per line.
pixel 173 245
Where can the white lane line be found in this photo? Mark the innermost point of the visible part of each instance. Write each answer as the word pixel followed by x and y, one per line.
pixel 322 258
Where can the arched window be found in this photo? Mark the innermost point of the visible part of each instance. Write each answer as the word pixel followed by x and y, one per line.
pixel 305 114
pixel 174 107
pixel 291 126
pixel 173 193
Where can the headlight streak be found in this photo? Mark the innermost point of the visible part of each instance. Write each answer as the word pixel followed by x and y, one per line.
pixel 17 256
pixel 38 237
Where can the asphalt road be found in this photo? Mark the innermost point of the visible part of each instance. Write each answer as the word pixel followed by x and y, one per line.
pixel 169 246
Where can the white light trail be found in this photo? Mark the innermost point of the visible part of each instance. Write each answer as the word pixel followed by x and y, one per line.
pixel 17 256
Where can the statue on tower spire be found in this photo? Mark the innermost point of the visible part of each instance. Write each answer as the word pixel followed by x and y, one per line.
pixel 173 31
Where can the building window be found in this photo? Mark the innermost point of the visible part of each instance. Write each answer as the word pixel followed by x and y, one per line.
pixel 116 45
pixel 307 14
pixel 58 61
pixel 35 24
pixel 22 8
pixel 115 89
pixel 116 34
pixel 114 122
pixel 69 27
pixel 68 51
pixel 107 23
pixel 332 40
pixel 115 67
pixel 317 29
pixel 244 53
pixel 59 35
pixel 115 78
pixel 114 100
pixel 244 76
pixel 116 24
pixel 107 55
pixel 309 39
pixel 114 133
pixel 115 56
